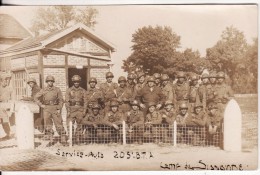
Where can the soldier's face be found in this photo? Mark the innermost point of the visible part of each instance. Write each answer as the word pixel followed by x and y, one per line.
pixel 141 79
pixel 220 80
pixel 135 108
pixel 168 107
pixel 197 110
pixel 31 84
pixel 164 82
pixel 114 108
pixel 122 84
pixel 205 80
pixel 130 81
pixel 183 111
pixel 76 84
pixel 194 82
pixel 181 79
pixel 212 111
pixel 151 109
pixel 92 84
pixel 95 111
pixel 50 83
pixel 151 84
pixel 109 79
pixel 212 80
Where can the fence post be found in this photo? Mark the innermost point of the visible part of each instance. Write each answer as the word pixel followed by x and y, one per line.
pixel 70 134
pixel 232 127
pixel 24 127
pixel 124 133
pixel 174 133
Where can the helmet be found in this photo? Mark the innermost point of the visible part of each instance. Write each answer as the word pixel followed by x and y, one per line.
pixel 221 75
pixel 151 79
pixel 213 75
pixel 122 78
pixel 92 79
pixel 198 104
pixel 181 75
pixel 114 103
pixel 76 78
pixel 183 106
pixel 50 78
pixel 140 74
pixel 96 106
pixel 31 80
pixel 212 106
pixel 204 75
pixel 164 77
pixel 194 77
pixel 168 102
pixel 157 75
pixel 135 103
pixel 151 104
pixel 131 76
pixel 109 75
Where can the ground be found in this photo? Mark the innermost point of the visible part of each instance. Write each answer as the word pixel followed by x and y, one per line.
pixel 140 157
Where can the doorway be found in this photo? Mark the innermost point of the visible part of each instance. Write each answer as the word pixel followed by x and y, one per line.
pixel 82 73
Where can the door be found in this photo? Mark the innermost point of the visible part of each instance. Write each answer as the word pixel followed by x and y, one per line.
pixel 82 73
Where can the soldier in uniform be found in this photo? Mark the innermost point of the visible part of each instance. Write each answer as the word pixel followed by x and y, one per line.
pixel 166 87
pixel 124 95
pixel 180 89
pixel 92 122
pixel 140 83
pixel 213 124
pixel 76 105
pixel 181 120
pixel 134 122
pixel 114 119
pixel 5 96
pixel 131 81
pixel 211 88
pixel 38 120
pixel 193 91
pixel 152 121
pixel 51 101
pixel 109 90
pixel 157 77
pixel 203 90
pixel 150 93
pixel 94 95
pixel 223 92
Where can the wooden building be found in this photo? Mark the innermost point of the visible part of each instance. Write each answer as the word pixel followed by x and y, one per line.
pixel 64 53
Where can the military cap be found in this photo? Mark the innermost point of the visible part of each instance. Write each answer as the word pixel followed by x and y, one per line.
pixel 194 77
pixel 135 103
pixel 114 103
pixel 76 78
pixel 31 80
pixel 181 75
pixel 92 79
pixel 121 78
pixel 151 79
pixel 204 75
pixel 50 78
pixel 168 102
pixel 96 106
pixel 151 104
pixel 221 75
pixel 157 75
pixel 198 104
pixel 213 75
pixel 140 74
pixel 131 76
pixel 164 77
pixel 183 106
pixel 109 75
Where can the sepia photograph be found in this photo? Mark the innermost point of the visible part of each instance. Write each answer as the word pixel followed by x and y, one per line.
pixel 129 87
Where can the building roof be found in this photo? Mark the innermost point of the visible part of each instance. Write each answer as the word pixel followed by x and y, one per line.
pixel 42 41
pixel 11 28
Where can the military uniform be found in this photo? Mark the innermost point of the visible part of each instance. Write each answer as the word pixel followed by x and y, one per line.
pixel 180 92
pixel 124 96
pixel 223 94
pixel 53 101
pixel 193 95
pixel 166 88
pixel 153 126
pixel 109 92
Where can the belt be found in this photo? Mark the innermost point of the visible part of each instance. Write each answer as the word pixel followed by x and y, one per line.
pixel 51 102
pixel 76 103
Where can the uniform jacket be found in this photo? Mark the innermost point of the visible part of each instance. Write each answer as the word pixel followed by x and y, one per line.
pixel 167 91
pixel 168 117
pixel 134 117
pixel 94 95
pixel 145 95
pixel 75 95
pixel 108 90
pixel 197 119
pixel 215 119
pixel 113 118
pixel 203 95
pixel 223 93
pixel 181 120
pixel 124 95
pixel 91 119
pixel 154 118
pixel 181 91
pixel 5 93
pixel 138 87
pixel 193 93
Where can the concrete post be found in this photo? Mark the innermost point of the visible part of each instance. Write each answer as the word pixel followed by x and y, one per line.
pixel 124 133
pixel 232 127
pixel 174 134
pixel 24 127
pixel 70 134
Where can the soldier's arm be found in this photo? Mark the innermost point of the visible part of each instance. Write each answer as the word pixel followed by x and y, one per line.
pixel 67 98
pixel 162 97
pixel 230 92
pixel 201 122
pixel 174 97
pixel 140 120
pixel 105 120
pixel 85 102
pixel 86 121
pixel 60 99
pixel 38 96
pixel 158 120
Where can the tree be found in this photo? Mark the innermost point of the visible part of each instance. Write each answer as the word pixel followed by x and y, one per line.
pixel 51 18
pixel 154 49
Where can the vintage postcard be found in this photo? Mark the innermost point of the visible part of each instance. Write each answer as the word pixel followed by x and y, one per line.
pixel 129 87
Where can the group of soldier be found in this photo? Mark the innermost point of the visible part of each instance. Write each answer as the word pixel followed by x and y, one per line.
pixel 143 102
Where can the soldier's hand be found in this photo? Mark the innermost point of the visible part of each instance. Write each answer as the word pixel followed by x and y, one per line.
pixel 115 126
pixel 142 105
pixel 158 106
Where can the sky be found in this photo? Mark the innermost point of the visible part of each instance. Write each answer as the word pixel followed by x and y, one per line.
pixel 199 26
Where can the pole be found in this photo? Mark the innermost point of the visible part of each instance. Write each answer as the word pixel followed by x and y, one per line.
pixel 174 134
pixel 124 133
pixel 70 134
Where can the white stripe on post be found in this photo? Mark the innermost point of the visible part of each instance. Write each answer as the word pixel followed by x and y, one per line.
pixel 174 133
pixel 70 134
pixel 124 133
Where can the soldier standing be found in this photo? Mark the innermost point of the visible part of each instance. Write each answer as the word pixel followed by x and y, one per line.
pixel 51 103
pixel 211 88
pixel 109 90
pixel 157 77
pixel 203 89
pixel 131 81
pixel 76 105
pixel 5 96
pixel 180 89
pixel 135 120
pixel 193 91
pixel 181 120
pixel 140 83
pixel 166 87
pixel 124 95
pixel 94 95
pixel 223 92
